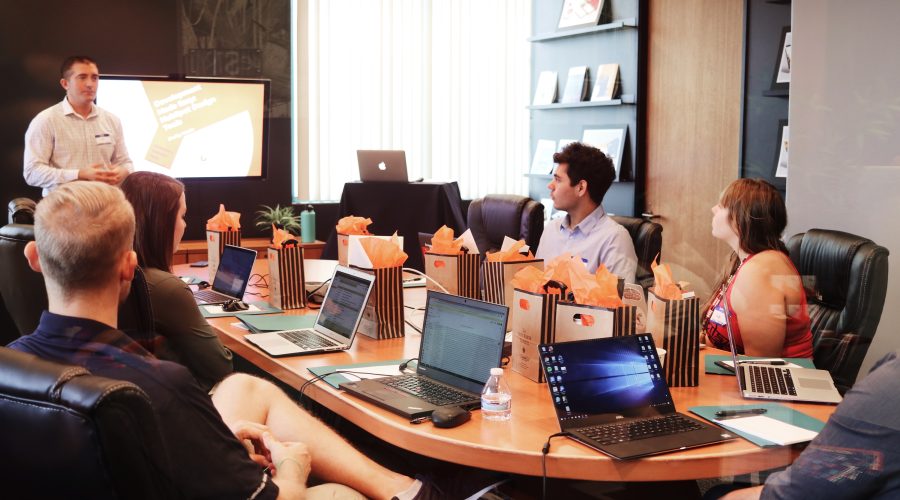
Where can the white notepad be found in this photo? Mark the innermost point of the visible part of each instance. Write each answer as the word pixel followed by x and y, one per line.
pixel 769 429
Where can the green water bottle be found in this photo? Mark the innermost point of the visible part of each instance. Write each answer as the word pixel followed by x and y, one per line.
pixel 308 225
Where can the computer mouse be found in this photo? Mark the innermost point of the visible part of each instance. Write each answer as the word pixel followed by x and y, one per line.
pixel 450 416
pixel 235 305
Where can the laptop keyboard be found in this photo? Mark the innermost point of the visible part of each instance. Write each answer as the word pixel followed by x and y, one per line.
pixel 306 339
pixel 434 393
pixel 210 296
pixel 634 430
pixel 770 380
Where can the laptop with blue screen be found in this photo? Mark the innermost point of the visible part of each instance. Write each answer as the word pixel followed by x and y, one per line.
pixel 611 394
pixel 232 276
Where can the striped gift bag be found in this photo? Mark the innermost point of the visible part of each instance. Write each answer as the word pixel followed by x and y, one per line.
pixel 287 289
pixel 458 274
pixel 533 322
pixel 498 288
pixel 383 316
pixel 675 325
pixel 625 321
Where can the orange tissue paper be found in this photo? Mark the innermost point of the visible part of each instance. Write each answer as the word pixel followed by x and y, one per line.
pixel 280 237
pixel 443 243
pixel 383 253
pixel 224 220
pixel 665 287
pixel 511 254
pixel 530 279
pixel 604 292
pixel 353 225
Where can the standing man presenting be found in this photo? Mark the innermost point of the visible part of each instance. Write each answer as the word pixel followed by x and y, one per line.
pixel 75 140
pixel 580 182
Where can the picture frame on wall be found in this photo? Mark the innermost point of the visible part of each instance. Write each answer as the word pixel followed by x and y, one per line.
pixel 781 155
pixel 580 13
pixel 781 79
pixel 607 138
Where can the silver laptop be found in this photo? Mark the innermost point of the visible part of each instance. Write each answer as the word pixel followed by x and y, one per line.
pixel 382 165
pixel 758 381
pixel 336 322
pixel 232 276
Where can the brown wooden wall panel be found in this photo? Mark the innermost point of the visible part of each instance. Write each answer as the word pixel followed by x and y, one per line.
pixel 693 127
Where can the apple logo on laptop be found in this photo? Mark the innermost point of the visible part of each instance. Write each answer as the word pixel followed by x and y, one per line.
pixel 382 166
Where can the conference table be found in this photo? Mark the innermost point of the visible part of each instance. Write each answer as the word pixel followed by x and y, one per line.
pixel 513 446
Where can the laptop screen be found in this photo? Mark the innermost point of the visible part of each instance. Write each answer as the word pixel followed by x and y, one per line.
pixel 344 303
pixel 462 339
pixel 617 376
pixel 234 271
pixel 738 373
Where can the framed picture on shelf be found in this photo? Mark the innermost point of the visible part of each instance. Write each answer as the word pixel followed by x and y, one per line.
pixel 580 13
pixel 781 80
pixel 781 157
pixel 607 138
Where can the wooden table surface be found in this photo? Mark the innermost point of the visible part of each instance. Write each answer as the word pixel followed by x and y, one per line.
pixel 513 446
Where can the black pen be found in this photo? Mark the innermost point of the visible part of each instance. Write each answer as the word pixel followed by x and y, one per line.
pixel 735 413
pixel 774 362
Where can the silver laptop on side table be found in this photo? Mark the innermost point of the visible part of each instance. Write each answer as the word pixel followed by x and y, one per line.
pixel 382 165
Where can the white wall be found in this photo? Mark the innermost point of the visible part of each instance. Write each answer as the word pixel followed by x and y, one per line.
pixel 845 132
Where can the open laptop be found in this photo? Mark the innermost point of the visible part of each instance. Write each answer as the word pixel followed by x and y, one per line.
pixel 382 165
pixel 462 339
pixel 611 394
pixel 758 381
pixel 336 322
pixel 232 276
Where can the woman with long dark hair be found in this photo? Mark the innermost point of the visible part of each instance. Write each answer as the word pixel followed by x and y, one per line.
pixel 767 304
pixel 184 335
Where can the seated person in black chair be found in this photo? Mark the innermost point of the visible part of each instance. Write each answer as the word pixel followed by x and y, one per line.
pixel 580 182
pixel 857 454
pixel 184 335
pixel 83 246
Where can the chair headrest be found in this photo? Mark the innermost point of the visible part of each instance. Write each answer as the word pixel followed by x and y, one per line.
pixel 502 215
pixel 28 377
pixel 829 256
pixel 17 232
pixel 21 211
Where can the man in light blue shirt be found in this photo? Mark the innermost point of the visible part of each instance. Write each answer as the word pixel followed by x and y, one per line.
pixel 579 184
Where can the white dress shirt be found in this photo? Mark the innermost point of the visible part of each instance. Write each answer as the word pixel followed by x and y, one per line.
pixel 59 142
pixel 595 239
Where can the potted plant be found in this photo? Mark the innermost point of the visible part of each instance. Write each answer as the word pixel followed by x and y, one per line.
pixel 282 217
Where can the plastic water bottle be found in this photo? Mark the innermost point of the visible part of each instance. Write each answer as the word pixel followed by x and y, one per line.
pixel 308 225
pixel 496 400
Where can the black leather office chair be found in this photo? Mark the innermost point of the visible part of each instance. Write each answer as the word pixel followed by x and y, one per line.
pixel 21 211
pixel 845 277
pixel 647 239
pixel 498 215
pixel 69 434
pixel 22 289
pixel 24 294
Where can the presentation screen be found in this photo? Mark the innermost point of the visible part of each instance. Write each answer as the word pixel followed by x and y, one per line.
pixel 192 127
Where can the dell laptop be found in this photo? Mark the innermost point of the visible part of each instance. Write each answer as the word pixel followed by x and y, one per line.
pixel 462 339
pixel 758 381
pixel 382 165
pixel 232 276
pixel 336 323
pixel 611 394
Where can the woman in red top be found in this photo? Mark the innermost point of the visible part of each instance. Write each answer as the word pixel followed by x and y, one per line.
pixel 768 312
